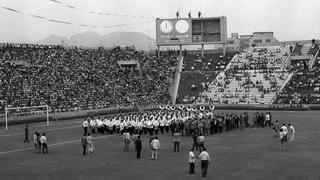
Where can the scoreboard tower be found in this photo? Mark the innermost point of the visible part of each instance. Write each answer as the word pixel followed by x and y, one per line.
pixel 191 31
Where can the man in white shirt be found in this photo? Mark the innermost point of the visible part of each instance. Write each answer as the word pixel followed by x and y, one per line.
pixel 205 159
pixel 285 131
pixel 126 140
pixel 43 141
pixel 85 125
pixel 200 142
pixel 155 145
pixel 192 161
pixel 292 131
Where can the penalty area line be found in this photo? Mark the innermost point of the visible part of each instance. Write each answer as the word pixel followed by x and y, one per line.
pixel 50 145
pixel 44 130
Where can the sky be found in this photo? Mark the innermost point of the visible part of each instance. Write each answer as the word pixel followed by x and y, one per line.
pixel 288 19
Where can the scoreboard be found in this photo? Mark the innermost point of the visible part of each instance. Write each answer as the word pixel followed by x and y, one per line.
pixel 191 31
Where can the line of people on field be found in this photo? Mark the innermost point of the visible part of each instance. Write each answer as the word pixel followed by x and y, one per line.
pixel 165 121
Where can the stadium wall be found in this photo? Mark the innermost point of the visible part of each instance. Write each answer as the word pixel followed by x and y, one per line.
pixel 132 109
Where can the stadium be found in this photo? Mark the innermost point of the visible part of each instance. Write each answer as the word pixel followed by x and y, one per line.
pixel 169 93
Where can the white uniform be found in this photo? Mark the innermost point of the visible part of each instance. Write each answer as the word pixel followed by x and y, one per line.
pixel 292 133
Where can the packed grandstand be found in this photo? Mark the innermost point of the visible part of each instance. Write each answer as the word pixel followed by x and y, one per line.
pixel 74 78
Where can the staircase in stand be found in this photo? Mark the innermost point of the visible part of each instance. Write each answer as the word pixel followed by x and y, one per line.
pixel 175 86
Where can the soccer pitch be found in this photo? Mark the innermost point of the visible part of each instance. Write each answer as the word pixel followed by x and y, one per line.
pixel 250 153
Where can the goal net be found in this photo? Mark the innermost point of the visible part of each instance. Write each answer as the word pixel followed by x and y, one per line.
pixel 27 114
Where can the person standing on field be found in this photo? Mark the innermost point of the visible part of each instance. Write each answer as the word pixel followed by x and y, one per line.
pixel 282 139
pixel 192 161
pixel 205 159
pixel 126 140
pixel 138 146
pixel 35 141
pixel 200 142
pixel 292 132
pixel 155 145
pixel 26 134
pixel 176 141
pixel 90 143
pixel 44 145
pixel 84 144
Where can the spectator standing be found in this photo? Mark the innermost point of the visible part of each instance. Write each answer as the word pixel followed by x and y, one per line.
pixel 192 161
pixel 205 159
pixel 26 134
pixel 176 141
pixel 90 143
pixel 84 144
pixel 44 145
pixel 155 144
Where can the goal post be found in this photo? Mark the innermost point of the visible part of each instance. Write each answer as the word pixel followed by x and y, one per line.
pixel 26 112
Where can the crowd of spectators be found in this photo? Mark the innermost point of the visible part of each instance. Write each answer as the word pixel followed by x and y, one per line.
pixel 210 62
pixel 254 76
pixel 76 78
pixel 303 87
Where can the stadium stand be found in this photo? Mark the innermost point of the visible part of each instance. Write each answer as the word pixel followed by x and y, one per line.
pixel 254 76
pixel 199 72
pixel 303 88
pixel 69 79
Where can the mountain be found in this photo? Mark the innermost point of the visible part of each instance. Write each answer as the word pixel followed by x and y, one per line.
pixel 86 39
pixel 52 40
pixel 139 40
pixel 91 39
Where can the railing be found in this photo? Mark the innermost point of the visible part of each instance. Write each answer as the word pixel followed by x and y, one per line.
pixel 282 86
pixel 311 62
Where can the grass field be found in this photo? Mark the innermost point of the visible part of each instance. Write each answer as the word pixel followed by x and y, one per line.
pixel 240 154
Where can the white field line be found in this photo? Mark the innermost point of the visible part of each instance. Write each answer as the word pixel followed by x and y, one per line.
pixel 52 123
pixel 56 144
pixel 53 129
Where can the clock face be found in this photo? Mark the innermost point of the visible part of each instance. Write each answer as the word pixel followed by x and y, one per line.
pixel 182 26
pixel 166 26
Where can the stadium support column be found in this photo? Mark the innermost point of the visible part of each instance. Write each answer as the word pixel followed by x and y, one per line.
pixel 224 49
pixel 158 51
pixel 202 50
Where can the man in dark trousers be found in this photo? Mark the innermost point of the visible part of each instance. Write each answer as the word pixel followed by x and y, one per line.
pixel 205 159
pixel 138 147
pixel 84 143
pixel 192 161
pixel 43 140
pixel 26 134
